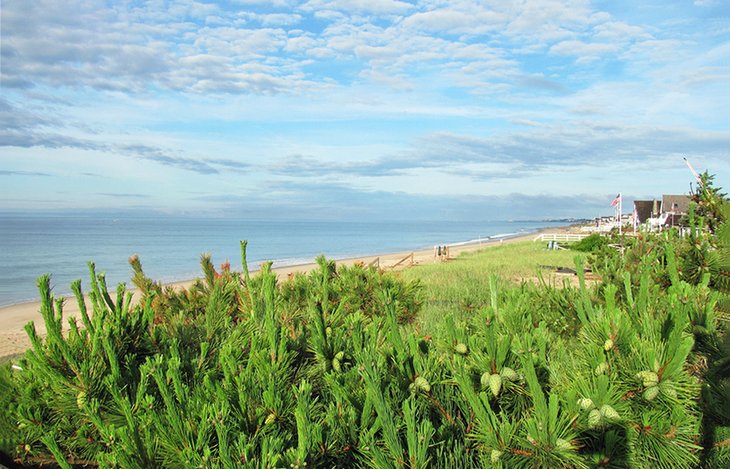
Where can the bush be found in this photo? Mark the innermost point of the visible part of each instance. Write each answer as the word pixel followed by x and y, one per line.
pixel 590 243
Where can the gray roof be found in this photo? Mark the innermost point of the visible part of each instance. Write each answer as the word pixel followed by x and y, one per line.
pixel 675 203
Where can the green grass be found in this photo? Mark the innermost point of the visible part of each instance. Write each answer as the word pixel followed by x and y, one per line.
pixel 10 358
pixel 461 286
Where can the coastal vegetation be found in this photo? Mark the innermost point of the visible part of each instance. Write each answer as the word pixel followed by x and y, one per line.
pixel 486 361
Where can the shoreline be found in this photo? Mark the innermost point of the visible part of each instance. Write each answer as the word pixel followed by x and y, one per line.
pixel 13 318
pixel 284 264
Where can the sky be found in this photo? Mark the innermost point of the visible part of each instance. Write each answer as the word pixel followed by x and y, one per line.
pixel 360 109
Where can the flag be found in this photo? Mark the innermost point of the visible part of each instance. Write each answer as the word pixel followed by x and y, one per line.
pixel 616 200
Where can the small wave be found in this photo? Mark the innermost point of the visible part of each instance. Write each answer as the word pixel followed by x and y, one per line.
pixel 506 235
pixel 495 237
pixel 21 301
pixel 471 241
pixel 286 262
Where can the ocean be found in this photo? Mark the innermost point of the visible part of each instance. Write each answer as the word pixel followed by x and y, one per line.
pixel 170 247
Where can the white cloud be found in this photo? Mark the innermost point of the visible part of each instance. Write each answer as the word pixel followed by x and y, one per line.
pixel 453 21
pixel 707 75
pixel 655 50
pixel 547 20
pixel 379 7
pixel 583 51
pixel 274 3
pixel 274 19
pixel 619 31
pixel 301 44
pixel 239 43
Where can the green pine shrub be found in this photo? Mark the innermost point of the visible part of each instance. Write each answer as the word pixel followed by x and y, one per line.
pixel 590 243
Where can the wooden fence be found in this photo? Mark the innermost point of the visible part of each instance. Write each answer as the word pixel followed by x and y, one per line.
pixel 561 237
pixel 409 256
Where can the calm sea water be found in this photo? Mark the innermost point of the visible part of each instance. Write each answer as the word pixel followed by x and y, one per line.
pixel 170 248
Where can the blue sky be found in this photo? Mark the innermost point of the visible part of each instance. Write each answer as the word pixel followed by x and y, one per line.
pixel 360 108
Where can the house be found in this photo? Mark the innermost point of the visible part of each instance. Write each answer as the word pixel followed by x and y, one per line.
pixel 675 207
pixel 677 204
pixel 646 209
pixel 670 211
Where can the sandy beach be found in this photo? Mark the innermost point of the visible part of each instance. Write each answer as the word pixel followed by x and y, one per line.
pixel 14 340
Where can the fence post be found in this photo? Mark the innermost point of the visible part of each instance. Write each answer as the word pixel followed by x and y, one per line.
pixel 409 256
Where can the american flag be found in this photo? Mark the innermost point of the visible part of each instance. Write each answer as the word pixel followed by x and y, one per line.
pixel 616 201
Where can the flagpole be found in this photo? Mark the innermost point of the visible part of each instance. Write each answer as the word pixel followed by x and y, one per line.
pixel 620 201
pixel 694 173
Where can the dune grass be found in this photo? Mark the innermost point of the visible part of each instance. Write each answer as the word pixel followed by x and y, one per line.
pixel 10 358
pixel 460 286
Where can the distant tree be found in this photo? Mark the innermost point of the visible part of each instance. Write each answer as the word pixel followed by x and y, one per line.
pixel 709 201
